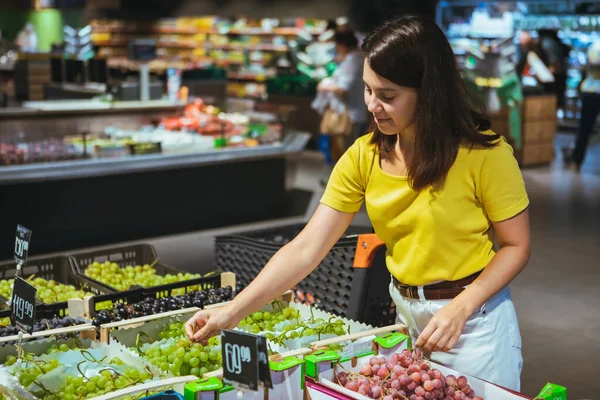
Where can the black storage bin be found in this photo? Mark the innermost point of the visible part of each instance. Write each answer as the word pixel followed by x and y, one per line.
pixel 334 286
pixel 141 254
pixel 58 268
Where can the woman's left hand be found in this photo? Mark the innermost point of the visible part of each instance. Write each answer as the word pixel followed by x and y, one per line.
pixel 444 329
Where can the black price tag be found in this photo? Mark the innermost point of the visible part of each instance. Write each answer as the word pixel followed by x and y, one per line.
pixel 23 305
pixel 245 360
pixel 264 370
pixel 22 240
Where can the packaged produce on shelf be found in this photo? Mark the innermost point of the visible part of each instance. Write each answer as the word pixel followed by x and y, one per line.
pixel 201 118
pixel 37 151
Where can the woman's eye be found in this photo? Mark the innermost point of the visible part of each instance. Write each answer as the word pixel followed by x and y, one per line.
pixel 386 98
pixel 367 90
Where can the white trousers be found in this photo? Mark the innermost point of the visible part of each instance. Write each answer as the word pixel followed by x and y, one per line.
pixel 490 345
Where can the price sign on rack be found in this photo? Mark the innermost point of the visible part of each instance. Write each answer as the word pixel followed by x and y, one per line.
pixel 22 305
pixel 23 237
pixel 245 360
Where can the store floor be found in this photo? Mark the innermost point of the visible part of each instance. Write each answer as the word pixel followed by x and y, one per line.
pixel 556 296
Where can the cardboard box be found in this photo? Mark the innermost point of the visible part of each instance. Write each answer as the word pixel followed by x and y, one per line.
pixel 539 107
pixel 547 152
pixel 549 129
pixel 535 154
pixel 536 132
pixel 531 154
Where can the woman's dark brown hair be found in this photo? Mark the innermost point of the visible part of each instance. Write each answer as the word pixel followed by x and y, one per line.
pixel 347 38
pixel 414 52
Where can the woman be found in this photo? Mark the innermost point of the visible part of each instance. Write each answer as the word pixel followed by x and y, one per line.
pixel 343 93
pixel 590 108
pixel 438 190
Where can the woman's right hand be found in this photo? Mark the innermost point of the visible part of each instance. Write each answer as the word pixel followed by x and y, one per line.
pixel 207 323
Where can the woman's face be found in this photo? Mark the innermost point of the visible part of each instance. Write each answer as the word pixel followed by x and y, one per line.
pixel 393 106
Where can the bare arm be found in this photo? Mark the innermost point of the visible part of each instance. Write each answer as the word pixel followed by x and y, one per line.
pixel 288 266
pixel 446 326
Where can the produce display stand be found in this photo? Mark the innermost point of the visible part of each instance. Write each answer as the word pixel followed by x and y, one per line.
pixel 287 384
pixel 347 282
pixel 58 268
pixel 321 385
pixel 142 254
pixel 86 331
pixel 226 279
pixel 106 329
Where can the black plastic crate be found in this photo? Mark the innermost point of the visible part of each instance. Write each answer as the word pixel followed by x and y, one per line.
pixel 142 254
pixel 58 268
pixel 335 285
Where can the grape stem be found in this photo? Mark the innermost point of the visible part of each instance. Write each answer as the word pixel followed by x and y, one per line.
pixel 81 372
pixel 137 342
pixel 85 355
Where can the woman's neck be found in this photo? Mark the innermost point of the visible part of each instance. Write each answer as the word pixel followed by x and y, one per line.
pixel 406 137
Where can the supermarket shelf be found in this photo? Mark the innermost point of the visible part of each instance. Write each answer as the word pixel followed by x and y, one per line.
pixel 156 30
pixel 259 47
pixel 194 31
pixel 72 108
pixel 231 62
pixel 250 78
pixel 110 43
pixel 293 143
pixel 175 45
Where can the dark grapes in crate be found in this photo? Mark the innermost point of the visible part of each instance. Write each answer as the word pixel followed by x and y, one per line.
pixel 43 325
pixel 151 306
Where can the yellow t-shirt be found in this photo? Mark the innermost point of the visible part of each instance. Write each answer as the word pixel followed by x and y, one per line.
pixel 432 235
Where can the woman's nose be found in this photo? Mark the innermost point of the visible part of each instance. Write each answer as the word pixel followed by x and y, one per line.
pixel 373 105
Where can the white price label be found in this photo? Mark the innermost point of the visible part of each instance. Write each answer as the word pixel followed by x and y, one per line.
pixel 359 347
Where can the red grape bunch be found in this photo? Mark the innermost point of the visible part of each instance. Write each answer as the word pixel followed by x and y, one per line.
pixel 406 376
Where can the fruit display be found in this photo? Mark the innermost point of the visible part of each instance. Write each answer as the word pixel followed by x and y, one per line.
pixel 37 151
pixel 72 371
pixel 176 355
pixel 285 324
pixel 48 291
pixel 41 325
pixel 122 279
pixel 405 375
pixel 150 306
pixel 203 119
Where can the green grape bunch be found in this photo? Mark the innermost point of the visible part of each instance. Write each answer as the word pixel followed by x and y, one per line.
pixel 77 386
pixel 175 354
pixel 48 291
pixel 285 324
pixel 123 278
pixel 261 321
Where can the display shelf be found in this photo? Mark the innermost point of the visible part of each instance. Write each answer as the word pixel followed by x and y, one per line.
pixel 249 77
pixel 99 167
pixel 256 47
pixel 289 31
